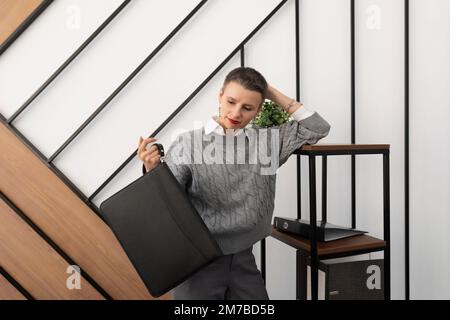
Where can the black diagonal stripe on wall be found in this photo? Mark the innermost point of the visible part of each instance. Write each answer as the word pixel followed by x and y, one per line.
pixel 69 60
pixel 127 80
pixel 47 239
pixel 16 284
pixel 24 25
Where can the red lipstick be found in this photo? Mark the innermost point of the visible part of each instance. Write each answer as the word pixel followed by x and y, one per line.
pixel 233 121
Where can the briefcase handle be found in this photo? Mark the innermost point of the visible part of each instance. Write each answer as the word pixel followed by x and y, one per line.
pixel 160 150
pixel 161 153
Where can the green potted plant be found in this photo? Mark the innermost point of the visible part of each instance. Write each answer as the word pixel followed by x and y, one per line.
pixel 270 115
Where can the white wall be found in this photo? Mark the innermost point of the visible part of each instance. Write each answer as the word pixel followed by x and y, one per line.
pixel 430 150
pixel 199 48
pixel 379 119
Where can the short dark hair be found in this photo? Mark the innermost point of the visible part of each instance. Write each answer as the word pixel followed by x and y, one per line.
pixel 249 78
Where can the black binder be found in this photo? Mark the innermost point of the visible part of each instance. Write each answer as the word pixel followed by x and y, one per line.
pixel 325 230
pixel 159 229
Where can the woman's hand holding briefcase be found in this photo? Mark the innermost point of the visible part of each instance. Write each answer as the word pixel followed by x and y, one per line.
pixel 151 158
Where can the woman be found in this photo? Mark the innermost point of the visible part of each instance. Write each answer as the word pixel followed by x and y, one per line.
pixel 235 199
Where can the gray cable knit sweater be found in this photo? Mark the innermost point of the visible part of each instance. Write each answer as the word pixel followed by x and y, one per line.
pixel 235 198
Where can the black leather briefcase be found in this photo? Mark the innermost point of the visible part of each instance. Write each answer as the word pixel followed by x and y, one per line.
pixel 159 229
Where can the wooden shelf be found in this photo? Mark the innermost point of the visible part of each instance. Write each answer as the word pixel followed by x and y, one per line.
pixel 343 147
pixel 336 247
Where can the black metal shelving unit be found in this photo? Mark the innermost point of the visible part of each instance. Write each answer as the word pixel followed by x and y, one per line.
pixel 315 250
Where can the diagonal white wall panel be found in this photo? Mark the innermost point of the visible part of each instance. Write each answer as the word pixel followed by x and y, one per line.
pixel 159 89
pixel 45 45
pixel 98 71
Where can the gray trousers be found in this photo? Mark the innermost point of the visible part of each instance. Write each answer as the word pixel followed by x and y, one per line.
pixel 230 277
